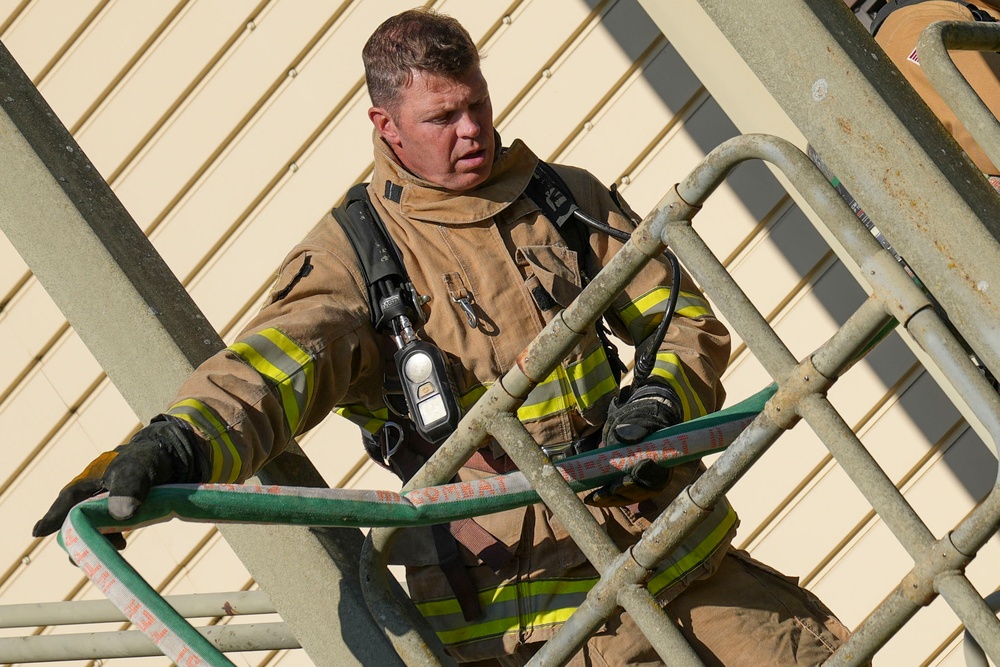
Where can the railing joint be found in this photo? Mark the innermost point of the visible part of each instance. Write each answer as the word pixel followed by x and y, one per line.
pixel 942 559
pixel 895 290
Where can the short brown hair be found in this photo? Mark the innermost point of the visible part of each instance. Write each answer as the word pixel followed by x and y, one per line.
pixel 417 40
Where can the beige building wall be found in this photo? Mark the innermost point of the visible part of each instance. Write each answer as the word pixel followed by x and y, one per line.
pixel 229 127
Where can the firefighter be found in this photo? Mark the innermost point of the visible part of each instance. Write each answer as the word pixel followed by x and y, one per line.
pixel 898 26
pixel 492 271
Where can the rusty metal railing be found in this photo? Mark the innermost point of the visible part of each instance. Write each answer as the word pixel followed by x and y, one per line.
pixel 802 386
pixel 932 49
pixel 938 563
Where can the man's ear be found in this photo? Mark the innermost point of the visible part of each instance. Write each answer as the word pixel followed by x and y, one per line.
pixel 384 124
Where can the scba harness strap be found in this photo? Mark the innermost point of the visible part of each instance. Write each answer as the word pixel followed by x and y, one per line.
pixel 391 295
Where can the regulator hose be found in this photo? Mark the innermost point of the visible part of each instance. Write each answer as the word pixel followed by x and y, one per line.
pixel 646 360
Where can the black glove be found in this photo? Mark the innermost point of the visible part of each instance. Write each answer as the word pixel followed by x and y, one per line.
pixel 636 413
pixel 165 452
pixel 633 415
pixel 643 480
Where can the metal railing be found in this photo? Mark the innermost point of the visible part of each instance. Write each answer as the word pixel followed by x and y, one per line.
pixel 801 395
pixel 939 564
pixel 133 643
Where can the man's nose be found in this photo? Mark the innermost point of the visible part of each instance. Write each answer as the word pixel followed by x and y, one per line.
pixel 468 126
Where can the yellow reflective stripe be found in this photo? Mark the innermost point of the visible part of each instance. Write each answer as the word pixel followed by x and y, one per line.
pixel 591 377
pixel 469 398
pixel 360 415
pixel 668 367
pixel 551 617
pixel 226 459
pixel 445 606
pixel 548 601
pixel 703 550
pixel 507 593
pixel 643 314
pixel 583 383
pixel 522 606
pixel 285 365
pixel 693 311
pixel 549 397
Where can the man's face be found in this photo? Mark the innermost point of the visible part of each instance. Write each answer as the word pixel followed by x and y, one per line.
pixel 442 129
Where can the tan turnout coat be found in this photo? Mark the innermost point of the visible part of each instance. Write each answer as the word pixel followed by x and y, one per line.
pixel 492 246
pixel 898 37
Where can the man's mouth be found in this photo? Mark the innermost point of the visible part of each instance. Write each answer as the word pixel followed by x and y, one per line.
pixel 473 159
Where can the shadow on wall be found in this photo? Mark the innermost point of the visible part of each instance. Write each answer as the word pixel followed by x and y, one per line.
pixel 838 293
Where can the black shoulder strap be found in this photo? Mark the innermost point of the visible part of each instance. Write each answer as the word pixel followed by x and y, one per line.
pixel 389 291
pixel 552 196
pixel 386 281
pixel 549 192
pixel 980 14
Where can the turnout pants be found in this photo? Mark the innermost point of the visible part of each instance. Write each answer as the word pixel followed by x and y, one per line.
pixel 745 614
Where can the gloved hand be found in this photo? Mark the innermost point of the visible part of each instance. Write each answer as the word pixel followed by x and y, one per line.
pixel 643 480
pixel 633 415
pixel 636 413
pixel 166 451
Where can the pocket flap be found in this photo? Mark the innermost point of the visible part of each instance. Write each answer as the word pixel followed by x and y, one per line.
pixel 556 268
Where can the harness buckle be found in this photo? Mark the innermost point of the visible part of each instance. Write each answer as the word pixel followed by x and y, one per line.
pixel 578 446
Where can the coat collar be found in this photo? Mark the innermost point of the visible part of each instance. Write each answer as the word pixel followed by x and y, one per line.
pixel 423 201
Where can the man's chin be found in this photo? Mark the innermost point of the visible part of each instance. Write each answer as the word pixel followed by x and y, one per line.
pixel 464 181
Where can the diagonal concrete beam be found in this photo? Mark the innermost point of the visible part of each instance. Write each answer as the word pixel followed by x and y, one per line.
pixel 148 335
pixel 750 105
pixel 840 90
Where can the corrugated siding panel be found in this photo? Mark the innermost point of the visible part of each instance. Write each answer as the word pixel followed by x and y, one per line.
pixel 529 42
pixel 229 129
pixel 575 84
pixel 224 208
pixel 44 29
pixel 179 57
pixel 220 107
pixel 105 49
pixel 662 87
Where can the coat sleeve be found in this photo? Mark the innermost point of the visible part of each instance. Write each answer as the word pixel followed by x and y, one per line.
pixel 696 349
pixel 310 348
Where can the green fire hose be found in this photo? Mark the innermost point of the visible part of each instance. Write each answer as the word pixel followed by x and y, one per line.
pixel 82 533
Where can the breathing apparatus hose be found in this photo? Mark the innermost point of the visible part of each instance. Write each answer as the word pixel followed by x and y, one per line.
pixel 646 360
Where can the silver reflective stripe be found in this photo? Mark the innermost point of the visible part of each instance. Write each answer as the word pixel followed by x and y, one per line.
pixel 701 544
pixel 642 315
pixel 582 384
pixel 226 460
pixel 668 367
pixel 285 365
pixel 552 601
pixel 508 608
pixel 591 378
pixel 549 397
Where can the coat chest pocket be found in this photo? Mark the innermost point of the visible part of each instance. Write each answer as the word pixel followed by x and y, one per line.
pixel 552 276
